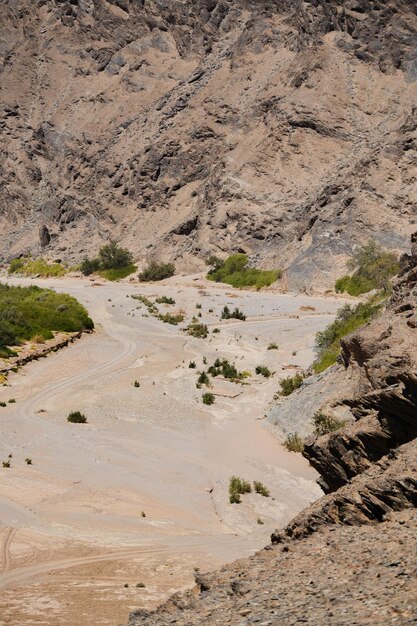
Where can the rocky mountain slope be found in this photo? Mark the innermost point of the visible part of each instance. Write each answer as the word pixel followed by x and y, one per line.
pixel 285 129
pixel 349 557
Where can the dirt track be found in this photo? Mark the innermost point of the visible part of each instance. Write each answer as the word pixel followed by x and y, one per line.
pixel 73 531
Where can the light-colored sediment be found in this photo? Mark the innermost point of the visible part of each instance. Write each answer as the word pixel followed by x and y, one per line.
pixel 72 533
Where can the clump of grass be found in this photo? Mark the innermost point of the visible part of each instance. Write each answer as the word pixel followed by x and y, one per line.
pixel 372 266
pixel 196 329
pixel 75 417
pixel 236 314
pixel 143 514
pixel 28 461
pixel 118 273
pixel 140 585
pixel 215 330
pixel 36 267
pixel 264 371
pixel 324 424
pixel 27 312
pixel 294 443
pixel 157 271
pixel 198 305
pixel 136 383
pixel 272 346
pixel 259 521
pixel 208 398
pixel 261 489
pixel 6 464
pixel 3 404
pixel 192 365
pixel 12 401
pixel 290 384
pixel 237 487
pixel 348 319
pixel 165 300
pixel 235 271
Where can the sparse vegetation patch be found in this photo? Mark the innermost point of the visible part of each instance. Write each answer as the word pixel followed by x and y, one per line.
pixel 235 271
pixel 324 424
pixel 236 314
pixel 372 266
pixel 36 267
pixel 157 271
pixel 290 384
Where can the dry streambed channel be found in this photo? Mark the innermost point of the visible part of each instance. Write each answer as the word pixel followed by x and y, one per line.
pixel 116 513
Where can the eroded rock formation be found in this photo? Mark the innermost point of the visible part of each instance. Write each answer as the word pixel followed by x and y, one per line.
pixel 285 129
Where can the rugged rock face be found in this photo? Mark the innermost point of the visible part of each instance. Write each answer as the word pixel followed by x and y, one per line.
pixel 382 359
pixel 284 129
pixel 346 559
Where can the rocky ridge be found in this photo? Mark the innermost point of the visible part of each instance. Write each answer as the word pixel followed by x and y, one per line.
pixel 284 129
pixel 347 558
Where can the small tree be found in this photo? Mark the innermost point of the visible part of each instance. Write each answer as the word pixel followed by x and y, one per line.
pixel 157 271
pixel 112 256
pixel 89 266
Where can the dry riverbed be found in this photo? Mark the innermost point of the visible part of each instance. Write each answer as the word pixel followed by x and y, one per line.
pixel 139 493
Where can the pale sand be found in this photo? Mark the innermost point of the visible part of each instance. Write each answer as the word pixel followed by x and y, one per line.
pixel 71 525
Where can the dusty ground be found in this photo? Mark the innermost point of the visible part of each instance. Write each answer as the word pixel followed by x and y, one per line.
pixel 72 531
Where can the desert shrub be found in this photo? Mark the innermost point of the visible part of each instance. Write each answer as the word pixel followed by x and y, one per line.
pixel 208 398
pixel 192 365
pixel 294 443
pixel 203 379
pixel 227 314
pixel 259 521
pixel 324 424
pixel 165 300
pixel 264 371
pixel 273 346
pixel 114 257
pixel 347 320
pixel 372 266
pixel 234 271
pixel 261 489
pixel 136 384
pixel 89 266
pixel 26 312
pixel 6 464
pixel 237 487
pixel 157 271
pixel 3 404
pixel 215 331
pixel 223 367
pixel 196 329
pixel 28 461
pixel 75 417
pixel 290 384
pixel 214 262
pixel 169 318
pixel 12 400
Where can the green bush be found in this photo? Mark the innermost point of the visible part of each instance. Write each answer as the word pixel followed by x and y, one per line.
pixel 113 257
pixel 324 424
pixel 234 271
pixel 264 371
pixel 165 300
pixel 169 318
pixel 290 384
pixel 273 346
pixel 75 417
pixel 261 489
pixel 192 365
pixel 237 487
pixel 196 329
pixel 26 312
pixel 348 319
pixel 16 265
pixel 294 443
pixel 136 384
pixel 89 266
pixel 372 266
pixel 208 398
pixel 203 379
pixel 157 271
pixel 227 314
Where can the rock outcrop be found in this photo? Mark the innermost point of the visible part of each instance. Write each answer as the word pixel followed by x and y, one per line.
pixel 183 128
